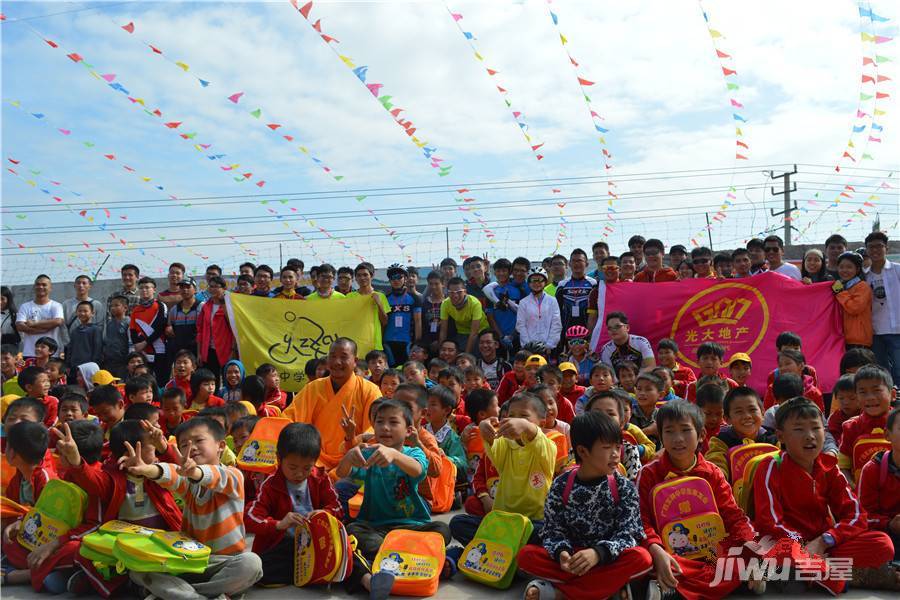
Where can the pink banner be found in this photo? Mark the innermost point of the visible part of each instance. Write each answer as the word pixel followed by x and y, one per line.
pixel 741 315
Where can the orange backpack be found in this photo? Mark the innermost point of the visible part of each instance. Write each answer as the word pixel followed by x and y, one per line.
pixel 562 450
pixel 443 487
pixel 259 451
pixel 414 558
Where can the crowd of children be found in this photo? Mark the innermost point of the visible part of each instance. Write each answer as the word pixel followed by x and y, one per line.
pixel 636 473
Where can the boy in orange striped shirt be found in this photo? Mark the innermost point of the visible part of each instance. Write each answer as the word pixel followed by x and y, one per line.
pixel 213 513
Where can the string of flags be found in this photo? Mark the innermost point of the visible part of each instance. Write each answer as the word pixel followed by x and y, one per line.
pixel 387 101
pixel 276 128
pixel 189 136
pixel 732 90
pixel 867 128
pixel 535 145
pixel 597 120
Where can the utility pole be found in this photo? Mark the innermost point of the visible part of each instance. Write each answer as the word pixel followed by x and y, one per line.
pixel 447 239
pixel 788 209
pixel 280 259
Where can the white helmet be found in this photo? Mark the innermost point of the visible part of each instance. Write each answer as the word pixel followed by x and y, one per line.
pixel 538 272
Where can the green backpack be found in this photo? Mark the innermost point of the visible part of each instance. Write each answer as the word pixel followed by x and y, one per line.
pixel 59 509
pixel 97 547
pixel 490 558
pixel 162 552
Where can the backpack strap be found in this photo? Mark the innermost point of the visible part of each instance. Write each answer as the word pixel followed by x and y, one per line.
pixel 570 483
pixel 883 470
pixel 613 487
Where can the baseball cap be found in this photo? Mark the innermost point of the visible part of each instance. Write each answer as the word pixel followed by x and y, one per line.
pixel 567 366
pixel 740 356
pixel 102 377
pixel 536 359
pixel 188 281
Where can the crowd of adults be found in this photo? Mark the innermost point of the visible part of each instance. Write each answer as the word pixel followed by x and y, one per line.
pixel 509 303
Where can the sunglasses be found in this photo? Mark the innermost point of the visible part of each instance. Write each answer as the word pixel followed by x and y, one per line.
pixel 577 342
pixel 397 277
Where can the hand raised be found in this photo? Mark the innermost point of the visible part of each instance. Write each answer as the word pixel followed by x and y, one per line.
pixel 347 422
pixel 66 446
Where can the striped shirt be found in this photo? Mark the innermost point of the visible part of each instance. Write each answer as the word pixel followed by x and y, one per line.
pixel 213 507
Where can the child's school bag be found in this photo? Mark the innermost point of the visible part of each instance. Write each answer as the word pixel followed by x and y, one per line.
pixel 490 558
pixel 738 459
pixel 163 552
pixel 59 509
pixel 443 487
pixel 743 488
pixel 562 450
pixel 259 451
pixel 10 509
pixel 866 447
pixel 414 558
pixel 97 546
pixel 323 552
pixel 687 517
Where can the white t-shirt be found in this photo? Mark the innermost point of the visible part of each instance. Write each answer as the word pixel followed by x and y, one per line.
pixel 40 312
pixel 885 299
pixel 788 270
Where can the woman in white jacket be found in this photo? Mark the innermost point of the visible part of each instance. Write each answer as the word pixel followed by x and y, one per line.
pixel 537 319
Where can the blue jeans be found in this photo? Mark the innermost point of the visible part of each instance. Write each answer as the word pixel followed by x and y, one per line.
pixel 887 351
pixel 345 489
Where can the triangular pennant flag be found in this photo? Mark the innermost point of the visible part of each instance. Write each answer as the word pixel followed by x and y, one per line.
pixel 721 54
pixel 182 65
pixel 304 10
pixel 728 72
pixel 236 97
pixel 256 113
pixel 129 28
pixel 583 81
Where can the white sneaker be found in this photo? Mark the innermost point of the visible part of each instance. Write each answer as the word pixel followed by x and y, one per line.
pixel 653 591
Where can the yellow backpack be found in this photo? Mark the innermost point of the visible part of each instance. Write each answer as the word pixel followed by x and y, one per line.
pixel 414 558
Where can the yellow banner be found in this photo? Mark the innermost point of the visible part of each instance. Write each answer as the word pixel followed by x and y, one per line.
pixel 287 333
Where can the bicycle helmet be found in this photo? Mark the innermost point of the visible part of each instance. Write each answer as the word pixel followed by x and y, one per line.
pixel 577 331
pixel 539 272
pixel 395 269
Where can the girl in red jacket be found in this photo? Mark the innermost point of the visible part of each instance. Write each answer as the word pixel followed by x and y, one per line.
pixel 879 485
pixel 286 498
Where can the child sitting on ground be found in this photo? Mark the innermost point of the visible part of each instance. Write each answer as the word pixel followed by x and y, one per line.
pixel 569 387
pixel 788 340
pixel 648 390
pixel 802 494
pixel 667 355
pixel 36 383
pixel 602 379
pixel 709 357
pixel 415 397
pixel 272 380
pixel 553 428
pixel 793 361
pixel 552 377
pixel 139 389
pixel 183 367
pixel 592 523
pixel 879 485
pixel 108 406
pixel 626 374
pixel 213 513
pixel 513 380
pixel 681 428
pixel 711 401
pixel 232 376
pixel 56 371
pixel 173 406
pixel 744 415
pixel 875 390
pixel 286 498
pixel 392 473
pixel 483 405
pixel 377 363
pixel 390 379
pixel 253 390
pixel 441 405
pixel 613 403
pixel 203 387
pixel 739 367
pixel 525 459
pixel 844 395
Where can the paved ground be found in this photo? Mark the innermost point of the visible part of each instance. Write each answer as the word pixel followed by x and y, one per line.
pixel 459 588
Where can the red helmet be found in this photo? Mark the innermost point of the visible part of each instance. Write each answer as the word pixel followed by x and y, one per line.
pixel 577 331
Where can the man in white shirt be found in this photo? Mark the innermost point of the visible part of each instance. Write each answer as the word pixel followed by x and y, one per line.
pixel 774 248
pixel 884 278
pixel 537 319
pixel 40 317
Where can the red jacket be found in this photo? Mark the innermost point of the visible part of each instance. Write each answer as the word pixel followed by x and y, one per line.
pixel 43 473
pixel 564 410
pixel 277 398
pixel 664 274
pixel 736 522
pixel 486 471
pixel 108 483
pixel 219 330
pixel 807 370
pixel 573 395
pixel 810 392
pixel 691 390
pixel 858 426
pixel 684 375
pixel 272 503
pixel 507 387
pixel 880 500
pixel 185 385
pixel 836 424
pixel 791 502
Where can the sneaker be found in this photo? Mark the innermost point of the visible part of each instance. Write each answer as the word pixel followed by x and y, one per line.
pixel 655 593
pixel 380 585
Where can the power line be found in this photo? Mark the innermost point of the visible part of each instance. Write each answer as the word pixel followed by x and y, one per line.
pixel 639 215
pixel 64 12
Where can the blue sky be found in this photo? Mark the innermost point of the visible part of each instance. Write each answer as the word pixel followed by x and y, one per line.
pixel 658 86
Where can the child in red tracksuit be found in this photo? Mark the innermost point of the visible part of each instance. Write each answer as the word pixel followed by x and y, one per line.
pixel 793 361
pixel 844 396
pixel 680 425
pixel 286 498
pixel 483 404
pixel 26 451
pixel 875 393
pixel 592 528
pixel 116 494
pixel 803 496
pixel 879 486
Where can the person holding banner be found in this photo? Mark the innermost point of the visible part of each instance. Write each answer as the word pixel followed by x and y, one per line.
pixel 322 402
